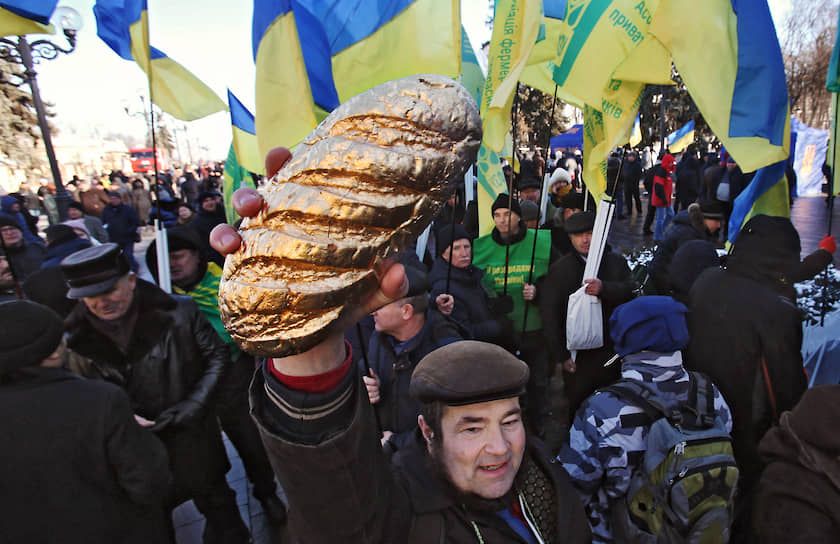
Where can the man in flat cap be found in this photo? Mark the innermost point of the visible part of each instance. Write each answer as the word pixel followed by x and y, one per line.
pixel 586 372
pixel 75 465
pixel 469 475
pixel 168 358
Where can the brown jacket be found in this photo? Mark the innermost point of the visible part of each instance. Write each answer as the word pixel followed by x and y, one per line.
pixel 94 201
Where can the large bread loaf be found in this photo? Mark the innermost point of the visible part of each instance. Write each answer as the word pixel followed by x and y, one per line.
pixel 367 180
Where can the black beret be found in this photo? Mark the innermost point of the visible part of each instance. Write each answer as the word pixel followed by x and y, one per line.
pixel 579 222
pixel 503 201
pixel 94 270
pixel 31 333
pixel 468 372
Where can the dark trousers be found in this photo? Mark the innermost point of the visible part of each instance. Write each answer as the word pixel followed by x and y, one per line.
pixel 589 376
pixel 235 418
pixel 218 505
pixel 128 249
pixel 532 351
pixel 631 193
pixel 651 214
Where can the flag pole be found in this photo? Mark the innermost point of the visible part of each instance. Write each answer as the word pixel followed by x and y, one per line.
pixel 830 206
pixel 537 230
pixel 510 187
pixel 451 244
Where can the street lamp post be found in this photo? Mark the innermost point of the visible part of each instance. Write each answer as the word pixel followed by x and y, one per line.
pixel 20 51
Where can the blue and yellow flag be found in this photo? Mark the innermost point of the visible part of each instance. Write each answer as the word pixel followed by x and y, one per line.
pixel 681 138
pixel 833 84
pixel 244 136
pixel 233 178
pixel 315 55
pixel 124 26
pixel 19 17
pixel 736 79
pixel 636 133
pixel 766 194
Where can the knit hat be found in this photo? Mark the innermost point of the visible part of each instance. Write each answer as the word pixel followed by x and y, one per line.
pixel 77 205
pixel 649 323
pixel 31 333
pixel 447 235
pixel 712 208
pixel 503 201
pixel 580 222
pixel 530 211
pixel 7 220
pixel 60 234
pixel 468 372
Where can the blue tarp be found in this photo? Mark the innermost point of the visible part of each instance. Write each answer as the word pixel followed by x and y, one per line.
pixel 821 351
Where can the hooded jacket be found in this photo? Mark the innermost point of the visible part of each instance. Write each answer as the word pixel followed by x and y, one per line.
pixel 663 184
pixel 687 225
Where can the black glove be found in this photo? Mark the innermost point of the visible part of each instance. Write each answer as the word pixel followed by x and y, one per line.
pixel 501 305
pixel 182 413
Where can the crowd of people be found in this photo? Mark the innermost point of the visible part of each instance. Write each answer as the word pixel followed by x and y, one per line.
pixel 454 409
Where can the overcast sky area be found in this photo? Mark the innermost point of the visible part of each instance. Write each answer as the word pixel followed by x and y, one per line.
pixel 92 86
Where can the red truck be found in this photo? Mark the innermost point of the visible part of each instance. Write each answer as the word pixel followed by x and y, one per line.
pixel 142 159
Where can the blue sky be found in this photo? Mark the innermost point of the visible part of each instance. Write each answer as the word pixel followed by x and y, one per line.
pixel 91 87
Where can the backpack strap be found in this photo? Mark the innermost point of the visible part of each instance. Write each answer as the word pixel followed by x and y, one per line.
pixel 702 392
pixel 642 397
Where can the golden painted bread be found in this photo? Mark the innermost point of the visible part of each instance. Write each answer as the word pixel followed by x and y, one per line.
pixel 365 182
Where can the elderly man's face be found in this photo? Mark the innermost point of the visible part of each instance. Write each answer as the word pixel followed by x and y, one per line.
pixel 482 446
pixel 184 266
pixel 114 303
pixel 461 251
pixel 12 236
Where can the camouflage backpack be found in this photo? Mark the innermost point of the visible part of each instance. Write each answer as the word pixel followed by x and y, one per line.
pixel 683 491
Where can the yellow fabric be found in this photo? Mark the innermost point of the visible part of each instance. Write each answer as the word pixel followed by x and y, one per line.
pixel 423 38
pixel 285 112
pixel 12 24
pixel 702 39
pixel 515 30
pixel 491 183
pixel 682 143
pixel 247 151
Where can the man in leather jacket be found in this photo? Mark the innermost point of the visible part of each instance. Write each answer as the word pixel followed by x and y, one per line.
pixel 165 354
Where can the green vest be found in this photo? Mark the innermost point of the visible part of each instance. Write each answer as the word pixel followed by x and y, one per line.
pixel 206 295
pixel 490 257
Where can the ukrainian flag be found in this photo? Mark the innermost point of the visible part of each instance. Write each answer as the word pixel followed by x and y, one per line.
pixel 681 138
pixel 315 55
pixel 244 136
pixel 19 17
pixel 766 194
pixel 233 178
pixel 729 58
pixel 124 26
pixel 636 134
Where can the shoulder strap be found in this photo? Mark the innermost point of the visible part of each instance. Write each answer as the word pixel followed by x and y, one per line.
pixel 702 392
pixel 642 397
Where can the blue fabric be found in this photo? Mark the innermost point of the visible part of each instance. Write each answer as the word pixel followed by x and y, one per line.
pixel 240 117
pixel 516 524
pixel 760 98
pixel 556 9
pixel 113 20
pixel 39 11
pixel 764 179
pixel 57 253
pixel 121 222
pixel 664 214
pixel 265 13
pixel 650 323
pixel 571 138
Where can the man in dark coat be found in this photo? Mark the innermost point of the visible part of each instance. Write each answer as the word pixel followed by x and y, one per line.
pixel 25 257
pixel 406 330
pixel 747 336
pixel 687 180
pixel 168 358
pixel 466 477
pixel 699 222
pixel 585 373
pixel 631 174
pixel 121 222
pixel 203 223
pixel 458 292
pixel 75 466
pixel 799 492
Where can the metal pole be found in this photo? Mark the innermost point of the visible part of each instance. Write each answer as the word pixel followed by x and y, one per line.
pixel 62 197
pixel 662 118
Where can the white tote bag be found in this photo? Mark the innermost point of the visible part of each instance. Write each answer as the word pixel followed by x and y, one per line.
pixel 584 321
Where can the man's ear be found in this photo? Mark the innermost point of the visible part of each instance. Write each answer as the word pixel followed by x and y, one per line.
pixel 428 434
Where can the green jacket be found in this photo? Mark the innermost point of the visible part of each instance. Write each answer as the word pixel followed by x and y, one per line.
pixel 489 255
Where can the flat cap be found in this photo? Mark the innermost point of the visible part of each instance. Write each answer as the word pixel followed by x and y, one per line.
pixel 94 270
pixel 580 222
pixel 468 372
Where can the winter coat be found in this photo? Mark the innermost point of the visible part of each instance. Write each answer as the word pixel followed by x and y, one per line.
pixel 96 229
pixel 472 310
pixel 686 226
pixel 26 259
pixel 631 173
pixel 174 355
pixel 142 203
pixel 735 322
pixel 688 180
pixel 75 467
pixel 394 362
pixel 799 491
pixel 663 187
pixel 203 223
pixel 333 470
pixel 56 253
pixel 121 222
pixel 94 201
pixel 604 450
